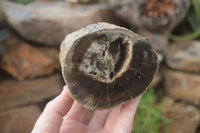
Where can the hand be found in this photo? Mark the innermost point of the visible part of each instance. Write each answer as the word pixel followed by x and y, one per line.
pixel 64 115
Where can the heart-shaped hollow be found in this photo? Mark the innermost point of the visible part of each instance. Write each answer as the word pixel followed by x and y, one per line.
pixel 105 65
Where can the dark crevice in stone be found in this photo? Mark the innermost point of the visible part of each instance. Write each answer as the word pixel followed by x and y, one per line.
pixel 198 129
pixel 118 50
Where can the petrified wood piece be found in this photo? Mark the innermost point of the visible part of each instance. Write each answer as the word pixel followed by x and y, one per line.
pixel 105 65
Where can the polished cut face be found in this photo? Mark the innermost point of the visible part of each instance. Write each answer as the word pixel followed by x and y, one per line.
pixel 108 67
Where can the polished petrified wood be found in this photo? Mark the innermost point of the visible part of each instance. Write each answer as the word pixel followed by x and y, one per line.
pixel 105 65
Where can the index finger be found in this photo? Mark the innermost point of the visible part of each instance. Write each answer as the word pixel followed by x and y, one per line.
pixel 125 119
pixel 51 118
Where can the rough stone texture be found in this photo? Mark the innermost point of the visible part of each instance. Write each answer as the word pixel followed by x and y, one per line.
pixel 184 118
pixel 19 120
pixel 160 57
pixel 14 93
pixel 184 56
pixel 183 86
pixel 156 80
pixel 159 41
pixel 156 15
pixel 52 20
pixel 24 61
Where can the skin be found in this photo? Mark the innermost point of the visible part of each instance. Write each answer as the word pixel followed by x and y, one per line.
pixel 64 115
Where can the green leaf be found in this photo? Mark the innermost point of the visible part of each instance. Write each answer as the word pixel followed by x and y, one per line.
pixel 23 1
pixel 189 37
pixel 149 118
pixel 196 5
pixel 192 19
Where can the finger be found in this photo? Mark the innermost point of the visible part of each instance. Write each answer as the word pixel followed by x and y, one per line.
pixel 124 122
pixel 112 118
pixel 70 126
pixel 76 113
pixel 52 116
pixel 99 118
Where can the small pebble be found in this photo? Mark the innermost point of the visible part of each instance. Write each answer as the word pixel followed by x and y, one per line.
pixel 4 34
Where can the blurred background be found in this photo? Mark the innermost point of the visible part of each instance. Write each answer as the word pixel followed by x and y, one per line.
pixel 31 32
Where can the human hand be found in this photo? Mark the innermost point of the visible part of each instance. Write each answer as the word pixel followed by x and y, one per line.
pixel 64 115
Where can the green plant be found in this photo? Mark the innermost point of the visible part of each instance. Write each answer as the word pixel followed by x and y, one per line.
pixel 23 1
pixel 149 118
pixel 193 17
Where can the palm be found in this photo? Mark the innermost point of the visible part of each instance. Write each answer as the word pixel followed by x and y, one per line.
pixel 64 115
pixel 101 122
pixel 78 127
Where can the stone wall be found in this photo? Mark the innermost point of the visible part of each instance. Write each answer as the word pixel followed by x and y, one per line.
pixel 30 35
